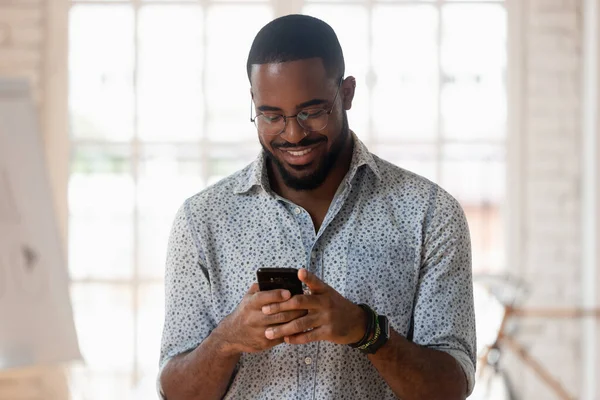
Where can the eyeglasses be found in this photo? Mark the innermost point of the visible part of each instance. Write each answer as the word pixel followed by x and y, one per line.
pixel 311 120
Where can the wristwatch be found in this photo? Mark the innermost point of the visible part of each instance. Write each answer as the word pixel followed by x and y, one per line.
pixel 377 332
pixel 382 334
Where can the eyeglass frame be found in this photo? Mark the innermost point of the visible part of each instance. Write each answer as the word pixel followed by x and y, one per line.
pixel 285 117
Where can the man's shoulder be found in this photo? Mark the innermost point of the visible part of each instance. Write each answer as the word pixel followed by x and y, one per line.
pixel 399 178
pixel 411 185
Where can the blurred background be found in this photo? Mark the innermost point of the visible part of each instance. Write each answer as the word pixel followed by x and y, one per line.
pixel 143 103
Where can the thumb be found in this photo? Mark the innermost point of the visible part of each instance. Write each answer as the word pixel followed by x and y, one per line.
pixel 309 279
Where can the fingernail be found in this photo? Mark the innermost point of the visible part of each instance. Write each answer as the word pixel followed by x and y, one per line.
pixel 286 294
pixel 269 333
pixel 266 309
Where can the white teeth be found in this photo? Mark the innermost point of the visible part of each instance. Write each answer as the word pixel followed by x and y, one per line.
pixel 299 153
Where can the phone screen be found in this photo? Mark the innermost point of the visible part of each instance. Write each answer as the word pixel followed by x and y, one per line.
pixel 279 278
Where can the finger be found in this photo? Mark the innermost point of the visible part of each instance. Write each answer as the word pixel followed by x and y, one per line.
pixel 294 327
pixel 270 296
pixel 309 279
pixel 283 317
pixel 298 302
pixel 313 335
pixel 274 342
pixel 253 289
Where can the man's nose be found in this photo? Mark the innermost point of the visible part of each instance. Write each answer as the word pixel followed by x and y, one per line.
pixel 293 132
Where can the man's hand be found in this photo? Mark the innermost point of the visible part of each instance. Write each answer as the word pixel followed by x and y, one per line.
pixel 243 331
pixel 330 316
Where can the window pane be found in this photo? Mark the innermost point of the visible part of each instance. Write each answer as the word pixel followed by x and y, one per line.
pixel 405 62
pixel 473 39
pixel 104 320
pixel 224 161
pixel 411 1
pixel 96 173
pixel 473 109
pixel 170 73
pixel 153 237
pixel 87 385
pixel 168 176
pixel 100 247
pixel 474 1
pixel 350 23
pixel 475 175
pixel 100 230
pixel 230 31
pixel 474 63
pixel 150 320
pixel 334 1
pixel 486 225
pixel 101 72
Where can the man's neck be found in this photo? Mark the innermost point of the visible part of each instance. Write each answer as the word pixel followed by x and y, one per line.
pixel 320 197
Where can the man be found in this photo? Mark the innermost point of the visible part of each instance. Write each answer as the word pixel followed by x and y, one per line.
pixel 360 231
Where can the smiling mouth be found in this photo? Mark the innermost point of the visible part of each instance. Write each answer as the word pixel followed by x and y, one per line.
pixel 301 156
pixel 299 153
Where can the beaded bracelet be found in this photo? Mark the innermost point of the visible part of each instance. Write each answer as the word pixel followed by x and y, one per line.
pixel 375 337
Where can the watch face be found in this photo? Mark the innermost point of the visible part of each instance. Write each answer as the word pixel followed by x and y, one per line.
pixel 385 326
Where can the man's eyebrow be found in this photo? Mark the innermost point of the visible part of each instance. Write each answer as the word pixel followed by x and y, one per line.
pixel 313 102
pixel 268 108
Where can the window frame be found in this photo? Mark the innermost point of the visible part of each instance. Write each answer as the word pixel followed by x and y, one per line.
pixel 58 143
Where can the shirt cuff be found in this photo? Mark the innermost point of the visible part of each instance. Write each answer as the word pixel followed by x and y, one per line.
pixel 466 365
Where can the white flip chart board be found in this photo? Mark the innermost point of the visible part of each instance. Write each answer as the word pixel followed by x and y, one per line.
pixel 36 319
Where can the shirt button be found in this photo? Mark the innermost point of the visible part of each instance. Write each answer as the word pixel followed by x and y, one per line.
pixel 313 254
pixel 297 211
pixel 308 360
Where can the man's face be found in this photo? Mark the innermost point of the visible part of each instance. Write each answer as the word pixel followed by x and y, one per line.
pixel 303 159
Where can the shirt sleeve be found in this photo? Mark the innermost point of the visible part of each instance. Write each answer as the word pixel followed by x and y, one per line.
pixel 444 317
pixel 188 317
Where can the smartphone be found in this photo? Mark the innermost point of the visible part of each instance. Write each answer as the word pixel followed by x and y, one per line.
pixel 279 278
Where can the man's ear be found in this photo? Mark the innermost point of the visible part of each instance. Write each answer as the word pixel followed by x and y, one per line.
pixel 348 89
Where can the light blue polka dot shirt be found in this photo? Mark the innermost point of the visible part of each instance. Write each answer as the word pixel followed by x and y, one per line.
pixel 391 239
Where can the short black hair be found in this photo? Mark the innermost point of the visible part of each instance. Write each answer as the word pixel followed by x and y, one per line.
pixel 297 37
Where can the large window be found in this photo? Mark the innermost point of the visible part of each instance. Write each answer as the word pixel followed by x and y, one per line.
pixel 159 110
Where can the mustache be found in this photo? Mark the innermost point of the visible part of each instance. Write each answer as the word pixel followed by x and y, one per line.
pixel 303 143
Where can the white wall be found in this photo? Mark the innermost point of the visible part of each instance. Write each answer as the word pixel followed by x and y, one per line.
pixel 591 195
pixel 33 46
pixel 22 40
pixel 551 151
pixel 33 37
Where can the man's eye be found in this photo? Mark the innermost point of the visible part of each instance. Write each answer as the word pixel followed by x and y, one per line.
pixel 272 118
pixel 311 114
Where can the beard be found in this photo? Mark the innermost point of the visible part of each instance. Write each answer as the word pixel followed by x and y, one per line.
pixel 324 165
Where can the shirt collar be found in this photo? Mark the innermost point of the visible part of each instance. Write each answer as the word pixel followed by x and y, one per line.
pixel 256 173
